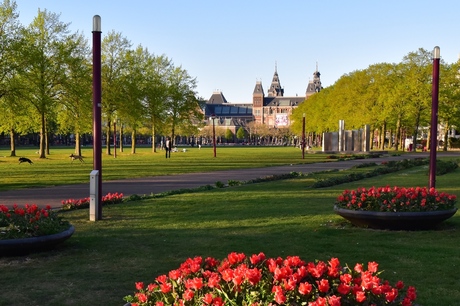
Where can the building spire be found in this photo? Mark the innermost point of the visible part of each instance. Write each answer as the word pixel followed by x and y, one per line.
pixel 275 87
pixel 315 84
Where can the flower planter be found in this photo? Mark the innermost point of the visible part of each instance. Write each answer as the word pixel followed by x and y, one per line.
pixel 26 245
pixel 395 220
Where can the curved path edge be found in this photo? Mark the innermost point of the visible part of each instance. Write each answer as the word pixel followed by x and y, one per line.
pixel 53 196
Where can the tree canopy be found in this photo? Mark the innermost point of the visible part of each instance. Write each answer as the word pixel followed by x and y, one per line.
pixel 392 97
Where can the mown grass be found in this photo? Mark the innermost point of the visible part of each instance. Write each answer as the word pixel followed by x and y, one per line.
pixel 137 241
pixel 57 169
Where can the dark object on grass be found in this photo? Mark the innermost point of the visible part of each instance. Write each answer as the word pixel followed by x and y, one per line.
pixel 74 157
pixel 25 160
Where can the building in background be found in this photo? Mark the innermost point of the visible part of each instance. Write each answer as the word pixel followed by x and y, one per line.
pixel 273 109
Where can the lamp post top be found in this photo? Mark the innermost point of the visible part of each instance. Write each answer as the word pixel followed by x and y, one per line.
pixel 436 52
pixel 97 23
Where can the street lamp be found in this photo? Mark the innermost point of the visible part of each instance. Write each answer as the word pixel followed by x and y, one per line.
pixel 120 139
pixel 97 141
pixel 213 116
pixel 115 138
pixel 434 117
pixel 303 136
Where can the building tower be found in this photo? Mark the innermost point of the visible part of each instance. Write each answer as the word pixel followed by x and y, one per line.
pixel 275 88
pixel 315 84
pixel 258 102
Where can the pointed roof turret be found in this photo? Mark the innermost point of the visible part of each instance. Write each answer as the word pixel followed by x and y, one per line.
pixel 217 98
pixel 315 84
pixel 275 88
pixel 258 89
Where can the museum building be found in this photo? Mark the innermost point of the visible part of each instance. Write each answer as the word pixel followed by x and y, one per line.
pixel 273 109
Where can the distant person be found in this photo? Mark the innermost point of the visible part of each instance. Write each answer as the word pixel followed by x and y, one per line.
pixel 168 147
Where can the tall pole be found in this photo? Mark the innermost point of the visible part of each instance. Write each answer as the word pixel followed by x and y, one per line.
pixel 213 134
pixel 115 139
pixel 434 117
pixel 97 141
pixel 120 140
pixel 303 136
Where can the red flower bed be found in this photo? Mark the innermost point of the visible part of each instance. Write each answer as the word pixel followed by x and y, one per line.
pixel 29 221
pixel 110 198
pixel 396 199
pixel 257 281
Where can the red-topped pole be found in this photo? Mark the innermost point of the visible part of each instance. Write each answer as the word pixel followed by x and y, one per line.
pixel 115 138
pixel 434 117
pixel 213 117
pixel 303 136
pixel 97 143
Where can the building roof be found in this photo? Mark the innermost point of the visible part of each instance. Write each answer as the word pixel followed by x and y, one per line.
pixel 258 89
pixel 231 110
pixel 275 87
pixel 283 101
pixel 217 98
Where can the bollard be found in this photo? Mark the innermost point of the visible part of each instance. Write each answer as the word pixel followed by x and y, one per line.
pixel 94 195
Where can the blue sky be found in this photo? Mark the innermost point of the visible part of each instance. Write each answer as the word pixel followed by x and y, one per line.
pixel 229 45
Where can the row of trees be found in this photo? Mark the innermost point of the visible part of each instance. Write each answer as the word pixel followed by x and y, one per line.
pixel 255 133
pixel 46 83
pixel 394 99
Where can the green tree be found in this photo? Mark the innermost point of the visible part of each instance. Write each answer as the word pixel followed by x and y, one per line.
pixel 75 109
pixel 114 65
pixel 241 133
pixel 133 86
pixel 417 70
pixel 449 99
pixel 229 135
pixel 46 52
pixel 398 103
pixel 182 107
pixel 13 119
pixel 156 93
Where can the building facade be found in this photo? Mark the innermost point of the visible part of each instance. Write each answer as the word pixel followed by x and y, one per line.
pixel 273 109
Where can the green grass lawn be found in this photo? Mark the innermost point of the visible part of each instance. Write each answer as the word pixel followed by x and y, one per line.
pixel 137 241
pixel 57 168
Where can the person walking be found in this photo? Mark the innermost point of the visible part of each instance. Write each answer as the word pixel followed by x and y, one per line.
pixel 168 146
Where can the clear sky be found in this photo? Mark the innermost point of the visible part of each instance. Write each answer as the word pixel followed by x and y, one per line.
pixel 229 45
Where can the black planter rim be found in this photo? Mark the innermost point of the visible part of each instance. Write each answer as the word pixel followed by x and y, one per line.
pixel 31 243
pixel 396 220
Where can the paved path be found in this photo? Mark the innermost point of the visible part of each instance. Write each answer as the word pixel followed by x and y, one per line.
pixel 144 186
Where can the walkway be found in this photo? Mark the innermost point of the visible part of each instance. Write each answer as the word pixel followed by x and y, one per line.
pixel 145 186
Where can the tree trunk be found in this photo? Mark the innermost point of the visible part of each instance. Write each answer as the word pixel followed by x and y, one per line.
pixel 403 139
pixel 372 128
pixel 172 136
pixel 390 140
pixel 398 132
pixel 42 137
pixel 77 144
pixel 446 136
pixel 121 138
pixel 428 140
pixel 154 140
pixel 12 142
pixel 47 142
pixel 133 142
pixel 383 135
pixel 414 138
pixel 107 137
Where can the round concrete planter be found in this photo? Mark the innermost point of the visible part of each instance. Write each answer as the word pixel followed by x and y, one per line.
pixel 395 220
pixel 26 245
